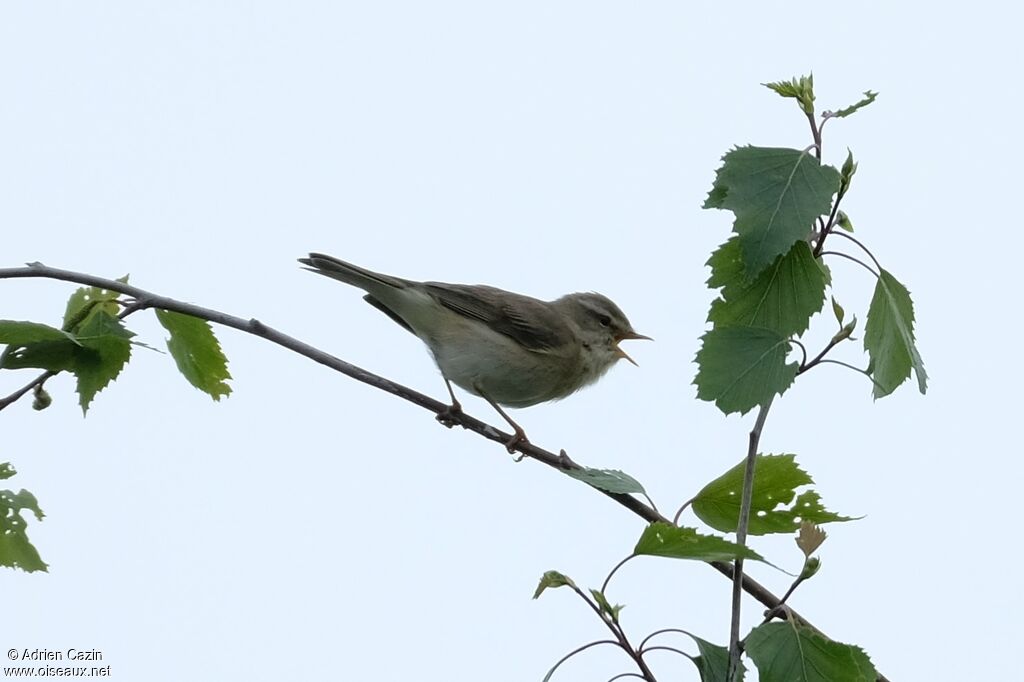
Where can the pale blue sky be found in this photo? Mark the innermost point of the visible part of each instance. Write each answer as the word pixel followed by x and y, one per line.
pixel 310 527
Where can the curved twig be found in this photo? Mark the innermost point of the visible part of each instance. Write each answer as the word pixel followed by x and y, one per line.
pixel 643 643
pixel 604 585
pixel 578 650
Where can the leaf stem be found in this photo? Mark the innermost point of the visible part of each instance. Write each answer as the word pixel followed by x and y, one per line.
pixel 855 369
pixel 17 395
pixel 741 539
pixel 575 651
pixel 662 631
pixel 604 585
pixel 679 512
pixel 849 257
pixel 862 247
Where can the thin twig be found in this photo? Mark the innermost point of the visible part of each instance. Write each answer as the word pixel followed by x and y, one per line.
pixel 816 134
pixel 14 397
pixel 741 539
pixel 805 365
pixel 828 228
pixel 146 299
pixel 616 629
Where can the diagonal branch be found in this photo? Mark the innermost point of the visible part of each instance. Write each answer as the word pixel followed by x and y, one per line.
pixel 145 299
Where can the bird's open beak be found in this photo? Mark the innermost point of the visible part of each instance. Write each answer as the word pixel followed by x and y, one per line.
pixel 629 336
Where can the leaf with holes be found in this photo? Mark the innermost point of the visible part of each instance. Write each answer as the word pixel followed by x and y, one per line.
pixel 786 652
pixel 742 367
pixel 35 345
pixel 775 195
pixel 15 549
pixel 775 506
pixel 87 300
pixel 673 542
pixel 20 333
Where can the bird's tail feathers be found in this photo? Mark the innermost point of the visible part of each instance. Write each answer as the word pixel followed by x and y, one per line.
pixel 334 268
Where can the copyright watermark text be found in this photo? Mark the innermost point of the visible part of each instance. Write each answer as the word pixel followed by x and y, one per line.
pixel 70 662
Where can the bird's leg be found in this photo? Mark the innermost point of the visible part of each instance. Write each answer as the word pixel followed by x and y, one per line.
pixel 450 415
pixel 520 435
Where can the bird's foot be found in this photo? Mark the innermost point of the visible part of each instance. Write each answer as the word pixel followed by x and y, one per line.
pixel 451 415
pixel 515 441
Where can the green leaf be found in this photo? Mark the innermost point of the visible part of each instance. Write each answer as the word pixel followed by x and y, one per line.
pixel 96 354
pixel 106 349
pixel 713 662
pixel 889 337
pixel 844 222
pixel 88 300
pixel 197 353
pixel 782 298
pixel 15 549
pixel 55 356
pixel 605 606
pixel 839 312
pixel 610 480
pixel 869 97
pixel 846 173
pixel 773 510
pixel 775 195
pixel 552 579
pixel 786 652
pixel 800 89
pixel 742 367
pixel 14 333
pixel 7 470
pixel 665 540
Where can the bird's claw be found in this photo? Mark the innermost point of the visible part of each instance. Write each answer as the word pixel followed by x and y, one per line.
pixel 450 416
pixel 514 442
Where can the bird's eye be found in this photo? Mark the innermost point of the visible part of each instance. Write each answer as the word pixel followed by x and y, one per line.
pixel 604 320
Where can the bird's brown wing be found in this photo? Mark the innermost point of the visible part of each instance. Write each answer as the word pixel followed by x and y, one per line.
pixel 529 322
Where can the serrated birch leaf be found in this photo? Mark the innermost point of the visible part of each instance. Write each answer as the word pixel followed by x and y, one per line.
pixel 889 337
pixel 664 540
pixel 742 367
pixel 782 298
pixel 196 352
pixel 786 652
pixel 775 506
pixel 775 195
